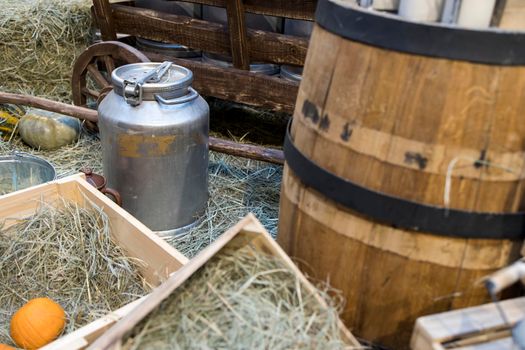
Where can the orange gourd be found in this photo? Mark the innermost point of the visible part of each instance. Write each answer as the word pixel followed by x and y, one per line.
pixel 37 323
pixel 6 347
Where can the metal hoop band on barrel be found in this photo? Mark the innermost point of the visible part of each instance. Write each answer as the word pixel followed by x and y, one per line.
pixel 490 46
pixel 399 212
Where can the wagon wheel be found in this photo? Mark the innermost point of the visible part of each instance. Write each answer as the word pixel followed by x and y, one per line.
pixel 91 78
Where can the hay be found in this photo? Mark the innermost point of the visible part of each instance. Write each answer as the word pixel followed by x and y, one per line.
pixel 237 187
pixel 68 255
pixel 39 42
pixel 68 160
pixel 240 299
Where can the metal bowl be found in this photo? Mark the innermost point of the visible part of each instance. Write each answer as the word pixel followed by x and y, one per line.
pixel 19 171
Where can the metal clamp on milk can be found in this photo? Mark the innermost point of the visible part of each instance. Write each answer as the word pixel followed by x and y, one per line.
pixel 154 132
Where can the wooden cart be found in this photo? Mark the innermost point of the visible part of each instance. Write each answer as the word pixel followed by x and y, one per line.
pixel 244 45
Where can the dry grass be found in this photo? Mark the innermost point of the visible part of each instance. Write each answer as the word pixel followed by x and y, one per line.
pixel 237 186
pixel 39 42
pixel 68 160
pixel 66 254
pixel 240 299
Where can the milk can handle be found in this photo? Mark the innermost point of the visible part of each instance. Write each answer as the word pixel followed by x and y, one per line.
pixel 175 101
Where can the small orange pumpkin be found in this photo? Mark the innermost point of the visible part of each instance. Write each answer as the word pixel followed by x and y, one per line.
pixel 6 347
pixel 37 323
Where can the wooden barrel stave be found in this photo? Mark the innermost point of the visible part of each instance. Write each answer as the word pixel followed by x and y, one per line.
pixel 389 276
pixel 443 135
pixel 394 122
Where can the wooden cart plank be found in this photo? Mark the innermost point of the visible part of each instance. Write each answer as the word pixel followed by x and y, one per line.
pixel 238 34
pixel 238 85
pixel 299 9
pixel 104 19
pixel 207 36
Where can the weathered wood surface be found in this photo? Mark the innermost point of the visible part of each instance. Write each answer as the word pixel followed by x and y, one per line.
pixel 219 145
pixel 87 65
pixel 396 123
pixel 104 19
pixel 298 9
pixel 58 107
pixel 264 154
pixel 207 36
pixel 237 85
pixel 474 328
pixel 238 34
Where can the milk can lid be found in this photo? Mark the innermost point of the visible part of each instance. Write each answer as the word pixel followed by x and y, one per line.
pixel 144 81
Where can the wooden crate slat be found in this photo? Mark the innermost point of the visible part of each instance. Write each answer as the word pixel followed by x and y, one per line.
pixel 248 231
pixel 238 85
pixel 298 9
pixel 207 36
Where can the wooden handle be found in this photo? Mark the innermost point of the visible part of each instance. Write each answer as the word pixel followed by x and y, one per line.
pixel 48 105
pixel 264 154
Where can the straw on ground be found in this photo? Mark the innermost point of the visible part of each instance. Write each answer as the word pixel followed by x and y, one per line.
pixel 240 299
pixel 65 254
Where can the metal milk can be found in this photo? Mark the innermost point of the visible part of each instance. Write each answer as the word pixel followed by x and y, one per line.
pixel 154 132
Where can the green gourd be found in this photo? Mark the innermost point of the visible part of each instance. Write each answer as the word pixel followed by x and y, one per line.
pixel 47 130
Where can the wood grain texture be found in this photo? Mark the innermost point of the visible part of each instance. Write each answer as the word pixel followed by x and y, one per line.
pixel 104 19
pixel 48 105
pixel 264 154
pixel 86 64
pixel 513 15
pixel 238 85
pixel 408 112
pixel 299 9
pixel 238 34
pixel 207 36
pixel 158 259
pixel 247 231
pixel 475 327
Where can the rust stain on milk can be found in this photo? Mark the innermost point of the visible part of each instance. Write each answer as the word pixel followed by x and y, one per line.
pixel 139 146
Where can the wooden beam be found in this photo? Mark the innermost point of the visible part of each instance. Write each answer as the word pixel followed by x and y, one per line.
pixel 207 36
pixel 238 34
pixel 48 105
pixel 104 19
pixel 218 145
pixel 298 9
pixel 237 85
pixel 255 152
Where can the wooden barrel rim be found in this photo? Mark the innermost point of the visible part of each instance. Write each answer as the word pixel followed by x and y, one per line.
pixel 400 212
pixel 500 47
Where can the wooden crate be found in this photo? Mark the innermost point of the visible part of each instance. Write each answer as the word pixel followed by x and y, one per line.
pixel 160 259
pixel 247 231
pixel 244 45
pixel 474 328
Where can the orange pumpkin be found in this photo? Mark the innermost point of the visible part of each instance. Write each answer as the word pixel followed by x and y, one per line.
pixel 37 323
pixel 6 347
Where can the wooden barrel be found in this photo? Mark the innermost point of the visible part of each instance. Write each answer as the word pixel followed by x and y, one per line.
pixel 403 183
